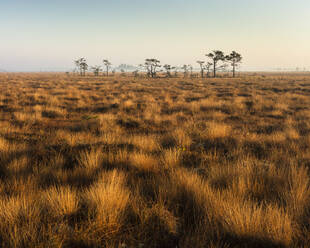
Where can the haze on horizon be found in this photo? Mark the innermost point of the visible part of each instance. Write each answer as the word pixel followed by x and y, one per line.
pixel 46 35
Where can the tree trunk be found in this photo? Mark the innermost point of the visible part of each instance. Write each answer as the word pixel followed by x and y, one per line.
pixel 214 69
pixel 234 71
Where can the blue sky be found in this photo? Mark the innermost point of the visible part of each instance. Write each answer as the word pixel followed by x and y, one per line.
pixel 46 35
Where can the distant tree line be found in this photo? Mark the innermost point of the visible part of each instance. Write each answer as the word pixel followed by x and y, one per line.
pixel 217 61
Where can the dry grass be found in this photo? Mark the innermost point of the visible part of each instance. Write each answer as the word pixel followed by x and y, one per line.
pixel 60 201
pixel 144 162
pixel 107 201
pixel 167 162
pixel 91 159
pixel 218 130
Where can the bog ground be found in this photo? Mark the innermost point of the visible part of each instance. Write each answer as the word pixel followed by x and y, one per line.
pixel 135 162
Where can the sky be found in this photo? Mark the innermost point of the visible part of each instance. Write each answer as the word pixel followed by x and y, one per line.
pixel 42 35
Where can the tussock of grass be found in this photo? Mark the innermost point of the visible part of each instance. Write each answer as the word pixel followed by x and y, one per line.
pixel 91 159
pixel 144 162
pixel 60 201
pixel 172 157
pixel 107 201
pixel 218 130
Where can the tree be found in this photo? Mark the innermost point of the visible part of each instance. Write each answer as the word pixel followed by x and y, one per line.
pixel 216 56
pixel 84 67
pixel 208 68
pixel 235 59
pixel 202 68
pixel 136 73
pixel 77 64
pixel 146 66
pixel 151 66
pixel 175 68
pixel 96 69
pixel 190 67
pixel 185 70
pixel 107 65
pixel 81 65
pixel 168 69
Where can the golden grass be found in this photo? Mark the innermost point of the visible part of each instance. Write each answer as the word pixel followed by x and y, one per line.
pixel 144 162
pixel 167 162
pixel 91 159
pixel 60 201
pixel 172 157
pixel 107 200
pixel 218 130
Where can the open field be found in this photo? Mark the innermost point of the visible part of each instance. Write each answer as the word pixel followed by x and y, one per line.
pixel 136 162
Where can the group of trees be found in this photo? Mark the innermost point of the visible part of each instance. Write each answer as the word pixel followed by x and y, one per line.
pixel 216 57
pixel 82 67
pixel 217 62
pixel 151 66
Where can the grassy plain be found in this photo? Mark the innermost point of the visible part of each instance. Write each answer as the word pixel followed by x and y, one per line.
pixel 136 162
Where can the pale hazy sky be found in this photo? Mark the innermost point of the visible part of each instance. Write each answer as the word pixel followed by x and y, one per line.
pixel 50 34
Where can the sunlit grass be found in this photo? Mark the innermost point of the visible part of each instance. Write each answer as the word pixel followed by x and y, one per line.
pixel 166 162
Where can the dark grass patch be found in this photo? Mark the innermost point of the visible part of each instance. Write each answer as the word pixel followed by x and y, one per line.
pixel 128 124
pixel 269 129
pixel 73 99
pixel 257 149
pixel 246 241
pixel 249 105
pixel 50 114
pixel 8 109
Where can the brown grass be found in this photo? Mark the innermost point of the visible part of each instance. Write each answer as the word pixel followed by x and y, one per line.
pixel 167 162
